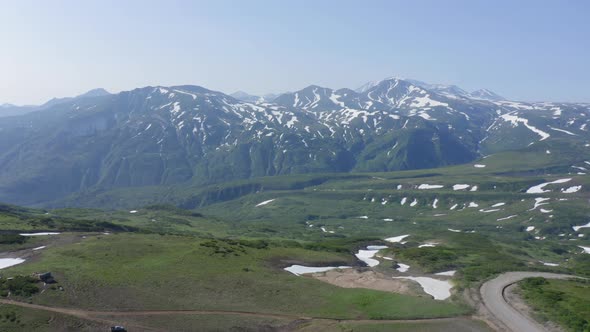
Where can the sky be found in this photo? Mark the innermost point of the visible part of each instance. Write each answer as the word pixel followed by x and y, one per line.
pixel 523 50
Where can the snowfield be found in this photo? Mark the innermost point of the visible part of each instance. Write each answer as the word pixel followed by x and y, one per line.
pixel 7 262
pixel 403 267
pixel 506 218
pixel 39 234
pixel 265 202
pixel 538 202
pixel 397 238
pixel 460 186
pixel 571 190
pixel 439 289
pixel 428 244
pixel 300 269
pixel 577 228
pixel 367 255
pixel 430 186
pixel 538 189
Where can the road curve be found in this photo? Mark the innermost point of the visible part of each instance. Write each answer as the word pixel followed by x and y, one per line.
pixel 492 295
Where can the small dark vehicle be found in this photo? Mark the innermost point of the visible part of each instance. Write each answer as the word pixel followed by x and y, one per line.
pixel 47 278
pixel 118 329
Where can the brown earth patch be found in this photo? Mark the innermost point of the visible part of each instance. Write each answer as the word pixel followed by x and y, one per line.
pixel 353 278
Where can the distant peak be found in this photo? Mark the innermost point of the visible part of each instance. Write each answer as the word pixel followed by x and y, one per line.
pixel 240 94
pixel 369 85
pixel 99 92
pixel 314 86
pixel 486 94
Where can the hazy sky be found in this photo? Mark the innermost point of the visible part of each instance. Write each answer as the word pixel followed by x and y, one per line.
pixel 525 50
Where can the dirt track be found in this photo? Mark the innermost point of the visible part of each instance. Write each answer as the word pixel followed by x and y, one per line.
pixel 95 316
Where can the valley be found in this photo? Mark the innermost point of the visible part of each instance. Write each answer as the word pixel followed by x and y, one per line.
pixel 293 166
pixel 220 261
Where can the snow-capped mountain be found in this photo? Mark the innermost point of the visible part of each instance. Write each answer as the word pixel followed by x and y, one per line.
pixel 168 135
pixel 486 94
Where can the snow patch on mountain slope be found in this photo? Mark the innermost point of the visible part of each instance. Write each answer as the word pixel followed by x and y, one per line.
pixel 515 120
pixel 538 189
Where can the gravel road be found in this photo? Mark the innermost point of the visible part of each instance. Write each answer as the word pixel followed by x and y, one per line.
pixel 492 294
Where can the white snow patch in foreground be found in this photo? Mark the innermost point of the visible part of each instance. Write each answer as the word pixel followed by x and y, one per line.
pixel 387 219
pixel 430 186
pixel 397 238
pixel 577 228
pixel 474 188
pixel 403 200
pixel 530 228
pixel 367 255
pixel 38 234
pixel 586 249
pixel 549 264
pixel 402 267
pixel 133 211
pixel 414 202
pixel 454 207
pixel 428 244
pixel 39 248
pixel 460 186
pixel 473 205
pixel 498 204
pixel 439 289
pixel 7 262
pixel 538 189
pixel 435 203
pixel 571 190
pixel 479 166
pixel 265 202
pixel 300 269
pixel 446 273
pixel 376 247
pixel 454 230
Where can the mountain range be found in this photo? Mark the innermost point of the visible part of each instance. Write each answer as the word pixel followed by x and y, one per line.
pixel 13 110
pixel 160 136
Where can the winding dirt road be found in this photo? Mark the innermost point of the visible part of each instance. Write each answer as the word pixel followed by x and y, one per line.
pixel 109 317
pixel 492 294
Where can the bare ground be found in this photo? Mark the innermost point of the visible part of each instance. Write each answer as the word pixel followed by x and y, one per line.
pixel 352 278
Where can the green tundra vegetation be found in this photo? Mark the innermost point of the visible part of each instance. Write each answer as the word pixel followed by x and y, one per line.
pixel 217 248
pixel 566 302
